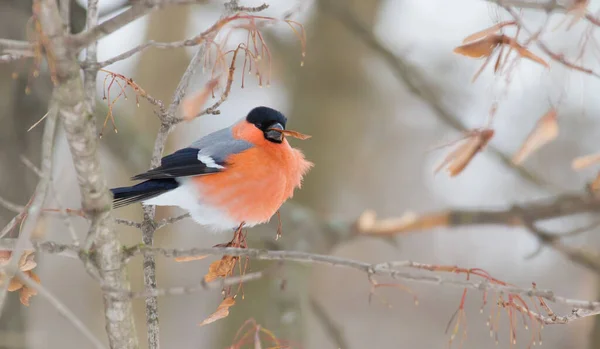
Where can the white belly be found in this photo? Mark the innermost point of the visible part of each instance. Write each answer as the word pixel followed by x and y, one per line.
pixel 186 197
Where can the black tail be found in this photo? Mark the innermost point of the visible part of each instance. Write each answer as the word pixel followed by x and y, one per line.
pixel 127 195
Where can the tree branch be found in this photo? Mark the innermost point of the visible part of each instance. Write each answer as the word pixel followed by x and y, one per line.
pixel 139 9
pixel 526 215
pixel 96 198
pixel 33 211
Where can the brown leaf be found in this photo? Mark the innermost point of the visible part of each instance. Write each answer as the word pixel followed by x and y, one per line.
pixel 221 312
pixel 525 53
pixel 458 159
pixel 545 130
pixel 190 258
pixel 27 292
pixel 585 161
pixel 26 264
pixel 221 268
pixel 488 31
pixel 192 105
pixel 481 48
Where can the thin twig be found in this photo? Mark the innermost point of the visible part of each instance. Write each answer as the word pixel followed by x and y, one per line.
pixel 62 309
pixel 34 210
pixel 166 221
pixel 11 206
pixel 137 10
pixel 64 215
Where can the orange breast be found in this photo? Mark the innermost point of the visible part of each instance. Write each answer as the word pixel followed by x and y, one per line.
pixel 256 182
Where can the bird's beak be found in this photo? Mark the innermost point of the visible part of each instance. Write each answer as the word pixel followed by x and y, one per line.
pixel 273 134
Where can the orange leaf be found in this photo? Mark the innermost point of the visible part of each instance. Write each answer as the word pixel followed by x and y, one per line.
pixel 190 258
pixel 545 130
pixel 27 292
pixel 221 312
pixel 291 133
pixel 523 52
pixel 585 161
pixel 221 268
pixel 458 160
pixel 192 105
pixel 488 31
pixel 481 48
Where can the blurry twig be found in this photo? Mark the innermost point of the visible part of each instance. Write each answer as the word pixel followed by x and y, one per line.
pixel 11 206
pixel 525 215
pixel 407 75
pixel 62 309
pixel 33 211
pixel 139 9
pixel 554 56
pixel 546 5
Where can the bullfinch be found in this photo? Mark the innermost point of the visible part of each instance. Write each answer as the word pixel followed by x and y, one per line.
pixel 240 174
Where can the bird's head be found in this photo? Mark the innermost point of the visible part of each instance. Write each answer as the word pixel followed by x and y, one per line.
pixel 269 121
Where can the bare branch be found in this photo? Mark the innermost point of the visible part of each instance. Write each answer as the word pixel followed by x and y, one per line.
pixel 176 291
pixel 7 44
pixel 137 10
pixel 525 215
pixel 11 206
pixel 582 307
pixel 547 6
pixel 164 222
pixel 62 309
pixel 554 56
pixel 34 210
pixel 64 215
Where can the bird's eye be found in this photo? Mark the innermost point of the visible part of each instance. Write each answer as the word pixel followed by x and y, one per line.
pixel 259 125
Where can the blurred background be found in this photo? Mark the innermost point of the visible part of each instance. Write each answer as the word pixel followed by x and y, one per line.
pixel 371 145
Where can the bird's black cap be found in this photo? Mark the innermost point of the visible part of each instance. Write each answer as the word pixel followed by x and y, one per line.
pixel 265 117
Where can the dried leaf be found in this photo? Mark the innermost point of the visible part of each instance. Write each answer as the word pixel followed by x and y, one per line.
pixel 221 312
pixel 545 130
pixel 458 160
pixel 27 292
pixel 26 264
pixel 481 48
pixel 192 105
pixel 525 53
pixel 585 161
pixel 291 133
pixel 488 31
pixel 221 268
pixel 190 258
pixel 14 285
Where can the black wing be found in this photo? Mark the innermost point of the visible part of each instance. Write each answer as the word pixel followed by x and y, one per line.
pixel 181 163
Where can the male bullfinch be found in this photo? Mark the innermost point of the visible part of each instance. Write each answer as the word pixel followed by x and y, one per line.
pixel 242 173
